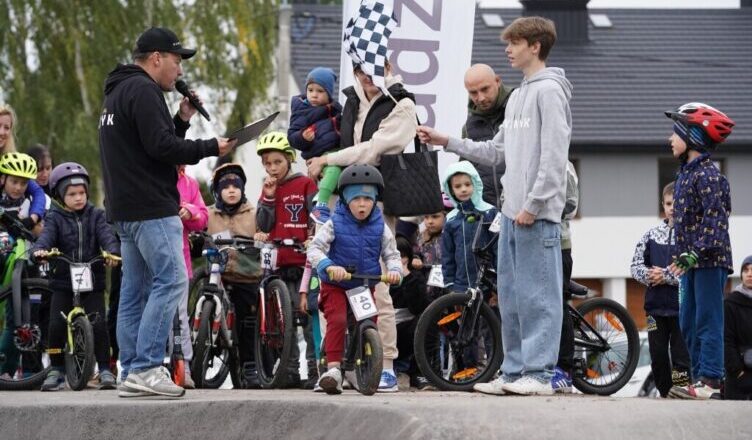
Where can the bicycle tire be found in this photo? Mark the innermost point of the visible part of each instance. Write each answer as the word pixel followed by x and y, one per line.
pixel 369 363
pixel 36 357
pixel 79 361
pixel 432 341
pixel 274 349
pixel 196 287
pixel 620 325
pixel 202 346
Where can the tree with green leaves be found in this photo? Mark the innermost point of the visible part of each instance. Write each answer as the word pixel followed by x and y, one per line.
pixel 55 55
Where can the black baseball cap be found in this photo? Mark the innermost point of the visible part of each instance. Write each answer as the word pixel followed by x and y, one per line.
pixel 162 40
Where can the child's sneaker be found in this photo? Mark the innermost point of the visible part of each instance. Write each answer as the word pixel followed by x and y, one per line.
pixel 388 383
pixel 107 380
pixel 55 381
pixel 421 383
pixel 320 213
pixel 331 381
pixel 561 382
pixel 529 386
pixel 699 391
pixel 495 387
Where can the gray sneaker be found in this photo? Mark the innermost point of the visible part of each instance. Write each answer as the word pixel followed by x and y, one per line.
pixel 55 381
pixel 126 391
pixel 107 380
pixel 156 381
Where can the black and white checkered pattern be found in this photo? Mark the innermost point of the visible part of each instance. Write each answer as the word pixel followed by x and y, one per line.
pixel 366 37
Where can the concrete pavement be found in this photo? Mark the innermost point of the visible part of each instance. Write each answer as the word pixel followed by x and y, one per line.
pixel 284 414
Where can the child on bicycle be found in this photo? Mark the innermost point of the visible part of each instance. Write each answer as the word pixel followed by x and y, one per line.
pixel 465 190
pixel 353 239
pixel 231 215
pixel 284 213
pixel 427 252
pixel 702 249
pixel 652 256
pixel 80 231
pixel 314 130
pixel 194 216
pixel 17 171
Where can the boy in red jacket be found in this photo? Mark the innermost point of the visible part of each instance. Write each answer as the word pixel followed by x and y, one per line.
pixel 284 213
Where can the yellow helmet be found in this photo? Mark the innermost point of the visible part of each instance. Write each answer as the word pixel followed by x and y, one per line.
pixel 275 141
pixel 19 165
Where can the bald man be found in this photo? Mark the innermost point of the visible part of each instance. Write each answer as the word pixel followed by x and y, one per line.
pixel 488 99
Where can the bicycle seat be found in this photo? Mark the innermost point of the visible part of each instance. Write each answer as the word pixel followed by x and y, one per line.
pixel 576 289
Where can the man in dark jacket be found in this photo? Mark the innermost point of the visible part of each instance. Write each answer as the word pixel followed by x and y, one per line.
pixel 737 337
pixel 488 99
pixel 140 144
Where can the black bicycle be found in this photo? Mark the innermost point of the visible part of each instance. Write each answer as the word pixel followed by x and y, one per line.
pixel 458 337
pixel 363 353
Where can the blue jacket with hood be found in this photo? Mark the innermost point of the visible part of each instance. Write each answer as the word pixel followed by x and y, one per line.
pixel 458 265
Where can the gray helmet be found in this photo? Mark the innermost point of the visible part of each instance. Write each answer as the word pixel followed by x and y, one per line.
pixel 361 175
pixel 66 174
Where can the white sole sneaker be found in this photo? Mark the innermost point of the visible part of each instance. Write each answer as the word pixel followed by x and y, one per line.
pixel 529 386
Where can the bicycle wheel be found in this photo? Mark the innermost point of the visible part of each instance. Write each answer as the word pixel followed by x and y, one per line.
pixel 369 358
pixel 606 347
pixel 79 360
pixel 196 288
pixel 448 362
pixel 23 362
pixel 274 335
pixel 209 366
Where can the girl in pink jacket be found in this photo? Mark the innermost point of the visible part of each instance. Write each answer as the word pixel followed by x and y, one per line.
pixel 194 215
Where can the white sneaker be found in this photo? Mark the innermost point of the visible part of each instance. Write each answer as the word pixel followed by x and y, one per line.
pixel 156 381
pixel 331 381
pixel 494 387
pixel 529 386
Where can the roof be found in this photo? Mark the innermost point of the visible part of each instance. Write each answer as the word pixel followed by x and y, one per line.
pixel 624 77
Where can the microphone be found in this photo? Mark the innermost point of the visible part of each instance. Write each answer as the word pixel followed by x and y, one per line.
pixel 182 87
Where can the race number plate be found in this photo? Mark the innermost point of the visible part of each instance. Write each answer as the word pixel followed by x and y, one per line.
pixel 81 280
pixel 269 258
pixel 435 277
pixel 496 224
pixel 361 303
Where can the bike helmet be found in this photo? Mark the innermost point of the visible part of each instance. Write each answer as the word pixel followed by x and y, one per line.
pixel 66 174
pixel 716 125
pixel 361 175
pixel 275 141
pixel 19 165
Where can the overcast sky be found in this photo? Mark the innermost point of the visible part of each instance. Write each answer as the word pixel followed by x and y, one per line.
pixel 654 4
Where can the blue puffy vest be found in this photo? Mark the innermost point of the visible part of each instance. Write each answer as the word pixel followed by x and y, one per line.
pixel 356 245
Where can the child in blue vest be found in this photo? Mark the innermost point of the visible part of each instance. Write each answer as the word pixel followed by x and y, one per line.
pixel 668 353
pixel 353 240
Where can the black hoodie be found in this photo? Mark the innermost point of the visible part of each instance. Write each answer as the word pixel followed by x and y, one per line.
pixel 737 330
pixel 140 144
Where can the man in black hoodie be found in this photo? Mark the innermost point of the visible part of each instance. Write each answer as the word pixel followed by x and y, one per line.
pixel 140 144
pixel 485 114
pixel 737 337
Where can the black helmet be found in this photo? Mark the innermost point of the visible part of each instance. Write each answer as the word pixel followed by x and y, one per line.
pixel 228 168
pixel 361 175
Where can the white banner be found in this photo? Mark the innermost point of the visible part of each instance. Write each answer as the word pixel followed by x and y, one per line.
pixel 431 48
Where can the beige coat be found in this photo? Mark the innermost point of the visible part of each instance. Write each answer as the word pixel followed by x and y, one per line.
pixel 241 267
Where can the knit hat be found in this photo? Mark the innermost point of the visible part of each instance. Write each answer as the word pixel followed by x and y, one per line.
pixel 746 261
pixel 352 191
pixel 323 76
pixel 697 137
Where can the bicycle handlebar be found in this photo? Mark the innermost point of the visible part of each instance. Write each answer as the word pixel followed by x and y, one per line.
pixel 14 225
pixel 384 278
pixel 56 254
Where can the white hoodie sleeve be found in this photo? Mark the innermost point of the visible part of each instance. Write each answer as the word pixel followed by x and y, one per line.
pixel 489 152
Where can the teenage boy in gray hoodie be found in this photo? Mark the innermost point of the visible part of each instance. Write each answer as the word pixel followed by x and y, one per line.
pixel 533 142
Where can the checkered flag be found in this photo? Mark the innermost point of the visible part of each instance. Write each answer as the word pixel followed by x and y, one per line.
pixel 366 37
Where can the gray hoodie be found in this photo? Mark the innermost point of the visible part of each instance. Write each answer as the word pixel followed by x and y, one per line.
pixel 533 142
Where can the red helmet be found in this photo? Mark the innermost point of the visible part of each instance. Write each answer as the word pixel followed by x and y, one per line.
pixel 716 125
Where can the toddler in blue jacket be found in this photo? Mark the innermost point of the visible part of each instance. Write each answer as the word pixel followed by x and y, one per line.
pixel 314 130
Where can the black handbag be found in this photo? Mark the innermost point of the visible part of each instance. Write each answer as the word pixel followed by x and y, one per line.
pixel 411 182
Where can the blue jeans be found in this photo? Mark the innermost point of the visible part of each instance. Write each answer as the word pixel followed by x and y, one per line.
pixel 154 279
pixel 701 319
pixel 530 298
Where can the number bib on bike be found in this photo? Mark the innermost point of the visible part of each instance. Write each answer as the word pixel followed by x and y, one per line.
pixel 361 303
pixel 435 277
pixel 81 279
pixel 269 258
